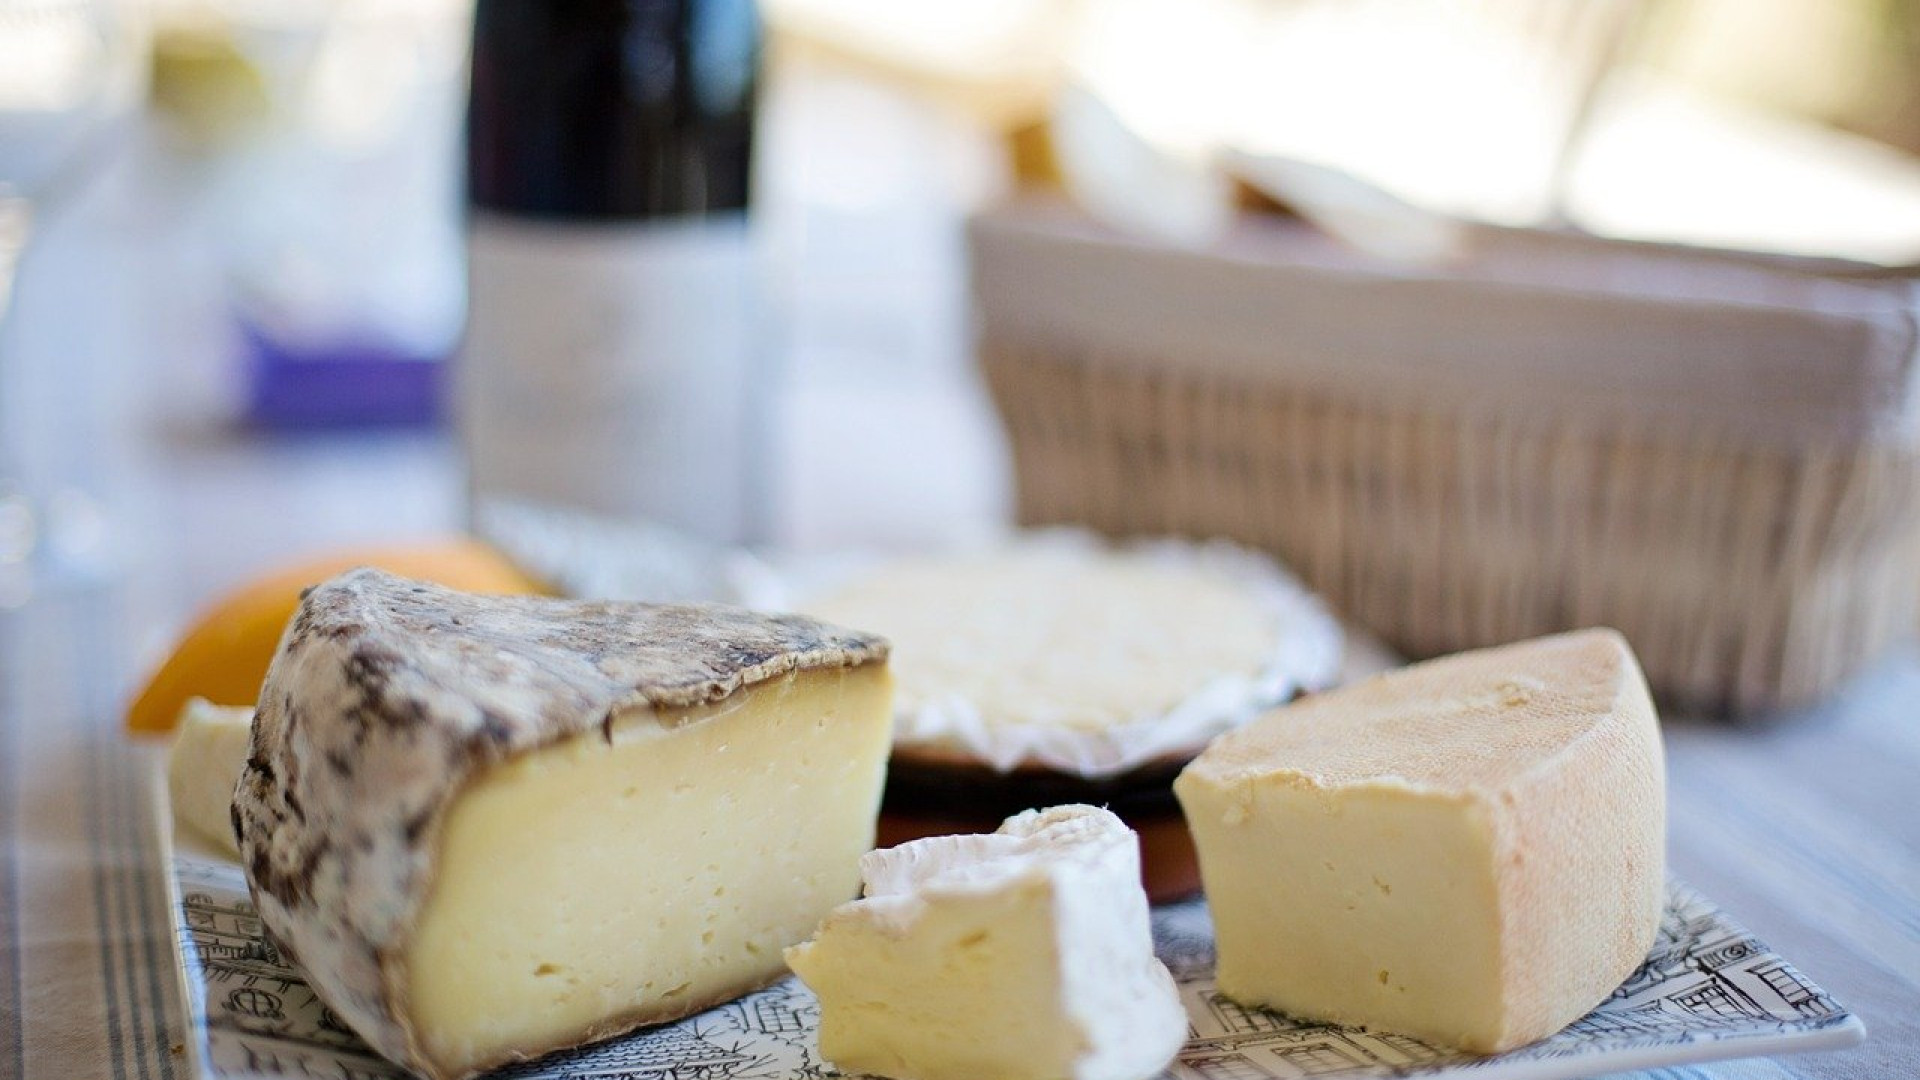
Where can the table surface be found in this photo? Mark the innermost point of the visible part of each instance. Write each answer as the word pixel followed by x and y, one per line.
pixel 1807 830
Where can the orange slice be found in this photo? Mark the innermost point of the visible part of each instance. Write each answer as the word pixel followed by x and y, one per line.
pixel 223 656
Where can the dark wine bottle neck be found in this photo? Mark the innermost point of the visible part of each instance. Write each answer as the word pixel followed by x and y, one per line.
pixel 612 108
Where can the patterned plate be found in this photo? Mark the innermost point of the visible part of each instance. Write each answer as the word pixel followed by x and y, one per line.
pixel 1708 990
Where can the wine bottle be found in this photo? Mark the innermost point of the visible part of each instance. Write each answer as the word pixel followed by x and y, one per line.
pixel 610 359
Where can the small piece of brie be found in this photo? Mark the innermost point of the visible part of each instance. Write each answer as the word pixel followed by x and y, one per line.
pixel 1469 850
pixel 203 766
pixel 1026 954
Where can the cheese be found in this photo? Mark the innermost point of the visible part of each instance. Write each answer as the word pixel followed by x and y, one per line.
pixel 492 827
pixel 711 848
pixel 203 765
pixel 1469 850
pixel 1026 954
pixel 1059 652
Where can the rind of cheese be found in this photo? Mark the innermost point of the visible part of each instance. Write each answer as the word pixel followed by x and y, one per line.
pixel 1469 850
pixel 204 762
pixel 1061 652
pixel 1025 954
pixel 388 698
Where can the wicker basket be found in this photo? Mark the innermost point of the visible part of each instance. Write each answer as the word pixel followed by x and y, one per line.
pixel 1722 465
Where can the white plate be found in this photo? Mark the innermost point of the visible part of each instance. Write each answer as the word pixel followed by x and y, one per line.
pixel 1708 991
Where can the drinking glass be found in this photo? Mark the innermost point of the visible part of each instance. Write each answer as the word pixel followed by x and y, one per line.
pixel 70 72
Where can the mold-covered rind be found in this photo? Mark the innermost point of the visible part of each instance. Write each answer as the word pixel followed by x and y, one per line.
pixel 388 695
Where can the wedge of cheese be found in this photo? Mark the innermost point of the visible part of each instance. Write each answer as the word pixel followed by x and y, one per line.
pixel 1470 851
pixel 1025 954
pixel 203 764
pixel 491 827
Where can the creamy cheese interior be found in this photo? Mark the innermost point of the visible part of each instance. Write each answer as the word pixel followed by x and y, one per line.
pixel 1390 913
pixel 1026 954
pixel 1071 639
pixel 203 765
pixel 587 886
pixel 948 1001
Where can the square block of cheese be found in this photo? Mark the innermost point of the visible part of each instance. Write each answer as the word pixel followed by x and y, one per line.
pixel 1025 954
pixel 489 828
pixel 1469 850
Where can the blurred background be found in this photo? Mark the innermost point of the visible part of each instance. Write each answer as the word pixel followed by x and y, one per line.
pixel 240 309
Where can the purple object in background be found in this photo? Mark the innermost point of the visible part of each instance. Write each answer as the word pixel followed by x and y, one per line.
pixel 339 385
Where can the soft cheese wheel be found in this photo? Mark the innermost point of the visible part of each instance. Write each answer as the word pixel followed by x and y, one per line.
pixel 491 827
pixel 1043 619
pixel 1062 653
pixel 1025 954
pixel 1470 850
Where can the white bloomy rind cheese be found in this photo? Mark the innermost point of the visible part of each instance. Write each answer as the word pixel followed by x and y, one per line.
pixel 1470 850
pixel 1026 954
pixel 203 765
pixel 491 827
pixel 1062 652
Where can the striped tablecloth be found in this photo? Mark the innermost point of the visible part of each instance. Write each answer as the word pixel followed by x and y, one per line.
pixel 1809 832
